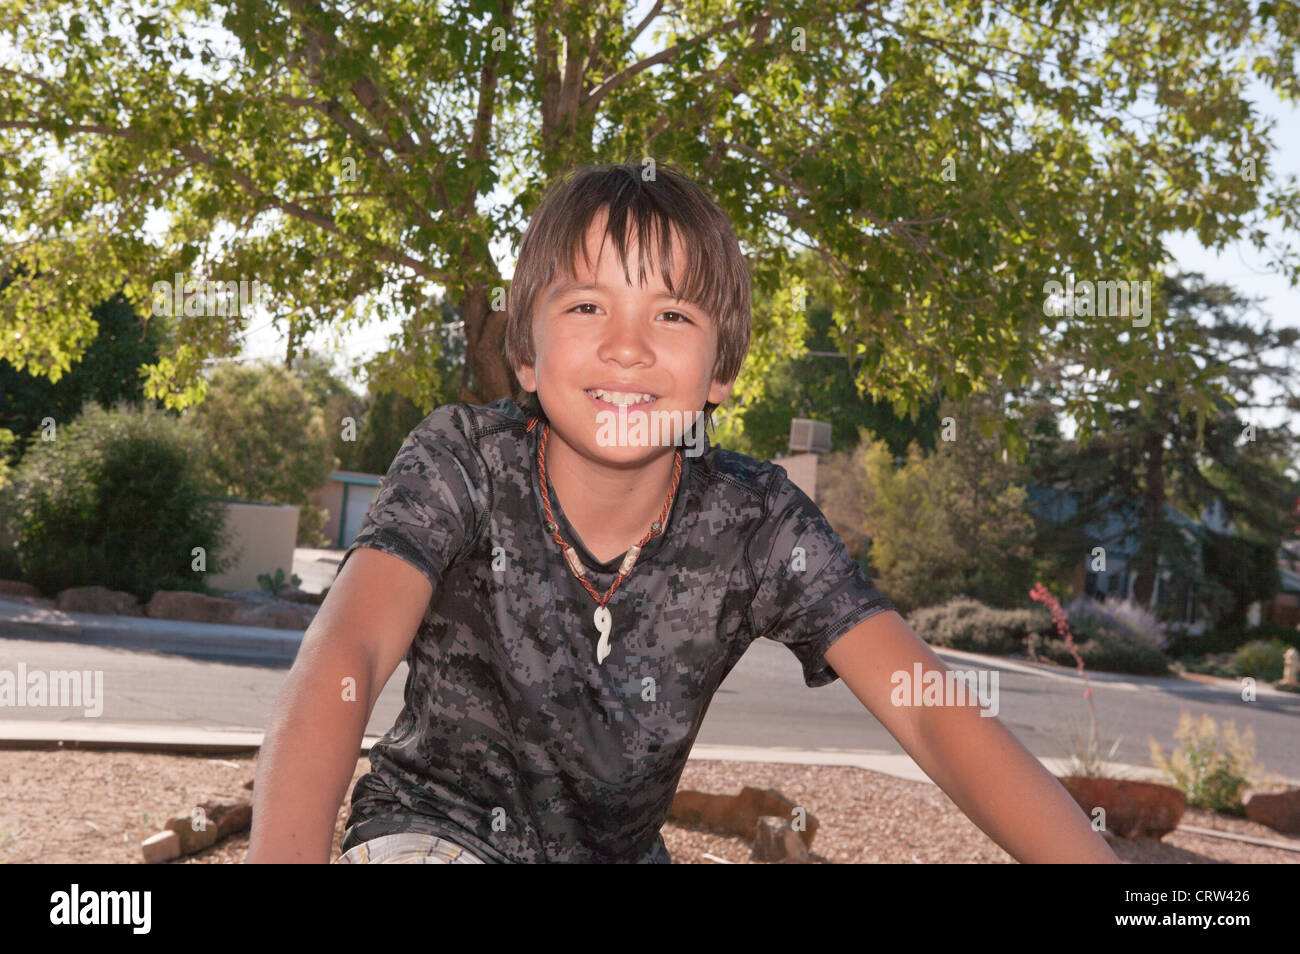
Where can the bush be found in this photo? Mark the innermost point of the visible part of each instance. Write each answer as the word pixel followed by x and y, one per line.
pixel 1103 647
pixel 967 624
pixel 1212 776
pixel 1125 616
pixel 1228 639
pixel 1261 659
pixel 269 441
pixel 116 500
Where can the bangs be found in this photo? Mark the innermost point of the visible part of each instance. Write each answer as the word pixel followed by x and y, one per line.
pixel 654 226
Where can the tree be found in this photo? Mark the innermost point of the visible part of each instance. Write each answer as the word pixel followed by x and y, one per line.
pixel 1153 453
pixel 815 381
pixel 942 161
pixel 108 372
pixel 269 442
pixel 950 523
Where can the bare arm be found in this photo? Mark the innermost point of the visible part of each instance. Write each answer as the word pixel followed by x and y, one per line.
pixel 975 759
pixel 309 753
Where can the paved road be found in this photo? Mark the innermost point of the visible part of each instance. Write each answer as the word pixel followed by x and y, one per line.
pixel 763 702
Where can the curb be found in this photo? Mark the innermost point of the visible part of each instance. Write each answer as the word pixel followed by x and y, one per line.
pixel 219 641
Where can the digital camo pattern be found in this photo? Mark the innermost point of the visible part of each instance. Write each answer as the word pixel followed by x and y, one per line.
pixel 512 741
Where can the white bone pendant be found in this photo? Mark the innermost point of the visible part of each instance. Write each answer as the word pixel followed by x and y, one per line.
pixel 603 622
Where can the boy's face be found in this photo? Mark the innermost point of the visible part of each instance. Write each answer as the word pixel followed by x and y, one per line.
pixel 598 346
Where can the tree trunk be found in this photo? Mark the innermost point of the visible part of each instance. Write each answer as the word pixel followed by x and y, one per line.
pixel 485 333
pixel 1147 560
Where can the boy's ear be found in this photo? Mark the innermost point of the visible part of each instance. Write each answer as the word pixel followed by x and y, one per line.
pixel 527 376
pixel 720 390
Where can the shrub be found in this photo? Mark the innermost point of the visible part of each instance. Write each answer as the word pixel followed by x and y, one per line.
pixel 1126 616
pixel 1227 639
pixel 1212 773
pixel 967 624
pixel 1261 659
pixel 1103 647
pixel 117 499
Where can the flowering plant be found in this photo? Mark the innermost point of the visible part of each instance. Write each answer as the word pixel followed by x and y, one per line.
pixel 1087 759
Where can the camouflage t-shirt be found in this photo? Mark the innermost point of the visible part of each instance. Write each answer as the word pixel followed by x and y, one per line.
pixel 513 741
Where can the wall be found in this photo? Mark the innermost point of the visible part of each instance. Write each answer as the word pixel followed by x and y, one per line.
pixel 262 539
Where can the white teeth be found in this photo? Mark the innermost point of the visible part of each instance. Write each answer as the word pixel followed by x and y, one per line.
pixel 620 397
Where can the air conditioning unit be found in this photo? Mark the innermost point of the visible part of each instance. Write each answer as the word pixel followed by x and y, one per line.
pixel 813 437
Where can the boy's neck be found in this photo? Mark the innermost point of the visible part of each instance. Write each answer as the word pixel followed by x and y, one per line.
pixel 610 507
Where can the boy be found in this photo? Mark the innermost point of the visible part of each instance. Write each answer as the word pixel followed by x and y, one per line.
pixel 569 598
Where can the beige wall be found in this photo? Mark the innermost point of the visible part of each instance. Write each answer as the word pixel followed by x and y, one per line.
pixel 262 539
pixel 802 469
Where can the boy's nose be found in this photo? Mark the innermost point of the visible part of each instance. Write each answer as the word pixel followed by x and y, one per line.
pixel 625 342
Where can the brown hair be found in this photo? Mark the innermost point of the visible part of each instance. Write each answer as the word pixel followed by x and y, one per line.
pixel 716 276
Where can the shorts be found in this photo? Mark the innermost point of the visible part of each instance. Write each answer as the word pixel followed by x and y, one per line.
pixel 408 848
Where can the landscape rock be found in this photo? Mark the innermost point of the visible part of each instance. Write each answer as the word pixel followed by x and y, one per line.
pixel 196 607
pixel 98 599
pixel 1133 809
pixel 161 847
pixel 17 588
pixel 295 595
pixel 1278 810
pixel 231 818
pixel 776 841
pixel 738 814
pixel 283 616
pixel 193 839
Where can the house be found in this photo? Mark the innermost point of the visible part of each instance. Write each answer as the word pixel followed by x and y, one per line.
pixel 347 496
pixel 1177 594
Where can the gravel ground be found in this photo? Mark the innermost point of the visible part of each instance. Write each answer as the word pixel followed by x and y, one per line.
pixel 89 806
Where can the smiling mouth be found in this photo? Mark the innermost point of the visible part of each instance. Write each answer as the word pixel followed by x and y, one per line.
pixel 618 399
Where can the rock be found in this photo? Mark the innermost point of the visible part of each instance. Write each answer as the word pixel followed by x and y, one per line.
pixel 196 607
pixel 752 803
pixel 1291 667
pixel 282 616
pixel 193 839
pixel 98 599
pixel 17 588
pixel 738 814
pixel 295 595
pixel 161 847
pixel 715 812
pixel 1133 809
pixel 231 818
pixel 776 841
pixel 1278 810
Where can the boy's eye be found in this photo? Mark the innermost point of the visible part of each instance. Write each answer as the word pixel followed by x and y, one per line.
pixel 587 304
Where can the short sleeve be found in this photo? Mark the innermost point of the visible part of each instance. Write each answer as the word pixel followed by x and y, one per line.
pixel 426 510
pixel 810 591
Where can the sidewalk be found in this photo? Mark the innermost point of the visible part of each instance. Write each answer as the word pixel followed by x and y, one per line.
pixel 196 741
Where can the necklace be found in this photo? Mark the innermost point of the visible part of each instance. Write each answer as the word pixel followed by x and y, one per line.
pixel 604 622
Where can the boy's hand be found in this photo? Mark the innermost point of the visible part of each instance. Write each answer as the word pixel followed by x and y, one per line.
pixel 975 759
